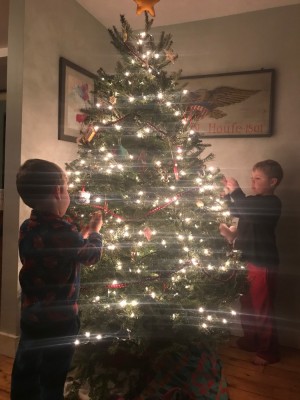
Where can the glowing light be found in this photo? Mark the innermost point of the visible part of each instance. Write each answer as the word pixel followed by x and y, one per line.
pixel 87 334
pixel 99 337
pixel 77 342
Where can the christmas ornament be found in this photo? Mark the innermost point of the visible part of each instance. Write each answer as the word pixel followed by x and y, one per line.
pixel 176 173
pixel 84 197
pixel 87 135
pixel 145 5
pixel 122 151
pixel 116 286
pixel 80 118
pixel 112 100
pixel 199 203
pixel 171 56
pixel 90 135
pixel 147 233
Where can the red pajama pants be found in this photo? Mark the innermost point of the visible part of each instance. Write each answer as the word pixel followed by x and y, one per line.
pixel 257 307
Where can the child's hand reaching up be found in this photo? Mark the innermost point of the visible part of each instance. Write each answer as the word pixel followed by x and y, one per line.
pixel 94 225
pixel 231 184
pixel 229 232
pixel 96 222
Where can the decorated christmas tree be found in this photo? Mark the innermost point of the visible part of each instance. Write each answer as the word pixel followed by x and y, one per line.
pixel 167 279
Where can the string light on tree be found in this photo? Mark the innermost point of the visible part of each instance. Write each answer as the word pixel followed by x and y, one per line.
pixel 148 172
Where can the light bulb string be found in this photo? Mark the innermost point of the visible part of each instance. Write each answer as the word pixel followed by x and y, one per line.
pixel 153 211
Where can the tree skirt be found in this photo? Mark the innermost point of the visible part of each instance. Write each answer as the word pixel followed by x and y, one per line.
pixel 184 373
pixel 190 375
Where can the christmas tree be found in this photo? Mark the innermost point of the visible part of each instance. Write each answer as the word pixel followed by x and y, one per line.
pixel 167 278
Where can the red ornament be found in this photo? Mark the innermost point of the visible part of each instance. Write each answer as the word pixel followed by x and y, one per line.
pixel 176 173
pixel 116 286
pixel 147 233
pixel 81 118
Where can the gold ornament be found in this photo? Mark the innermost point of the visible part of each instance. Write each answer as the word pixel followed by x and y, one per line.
pixel 146 5
pixel 86 136
pixel 199 203
pixel 171 56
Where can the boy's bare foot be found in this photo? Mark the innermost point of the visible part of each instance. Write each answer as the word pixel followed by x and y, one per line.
pixel 259 361
pixel 266 359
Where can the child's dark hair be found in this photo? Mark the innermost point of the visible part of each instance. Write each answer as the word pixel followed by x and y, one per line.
pixel 36 180
pixel 271 168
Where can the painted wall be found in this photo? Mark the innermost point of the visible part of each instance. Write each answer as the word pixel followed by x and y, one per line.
pixel 39 33
pixel 264 39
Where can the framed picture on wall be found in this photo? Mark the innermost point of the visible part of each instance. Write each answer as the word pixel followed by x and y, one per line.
pixel 238 104
pixel 76 85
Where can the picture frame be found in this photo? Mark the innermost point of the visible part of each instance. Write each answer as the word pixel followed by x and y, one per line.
pixel 76 85
pixel 231 105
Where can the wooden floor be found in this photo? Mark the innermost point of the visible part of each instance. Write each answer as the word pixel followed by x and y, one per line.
pixel 246 381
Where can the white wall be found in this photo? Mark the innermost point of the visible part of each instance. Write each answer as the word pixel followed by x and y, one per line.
pixel 40 31
pixel 264 39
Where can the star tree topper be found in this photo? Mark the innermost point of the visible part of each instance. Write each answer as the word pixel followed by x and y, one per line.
pixel 146 5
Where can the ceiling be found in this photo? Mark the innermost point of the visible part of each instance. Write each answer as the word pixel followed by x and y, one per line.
pixel 170 12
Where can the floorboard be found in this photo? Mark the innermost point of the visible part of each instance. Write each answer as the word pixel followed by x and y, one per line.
pixel 246 381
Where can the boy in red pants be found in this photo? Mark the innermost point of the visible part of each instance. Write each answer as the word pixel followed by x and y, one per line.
pixel 255 238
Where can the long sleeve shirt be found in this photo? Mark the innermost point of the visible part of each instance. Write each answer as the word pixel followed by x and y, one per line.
pixel 51 251
pixel 258 216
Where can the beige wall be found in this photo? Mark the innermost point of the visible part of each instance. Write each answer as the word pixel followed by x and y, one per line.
pixel 40 31
pixel 265 39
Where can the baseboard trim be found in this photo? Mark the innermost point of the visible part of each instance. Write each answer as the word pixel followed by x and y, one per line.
pixel 8 344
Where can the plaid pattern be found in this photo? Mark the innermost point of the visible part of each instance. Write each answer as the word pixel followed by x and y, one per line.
pixel 51 251
pixel 195 374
